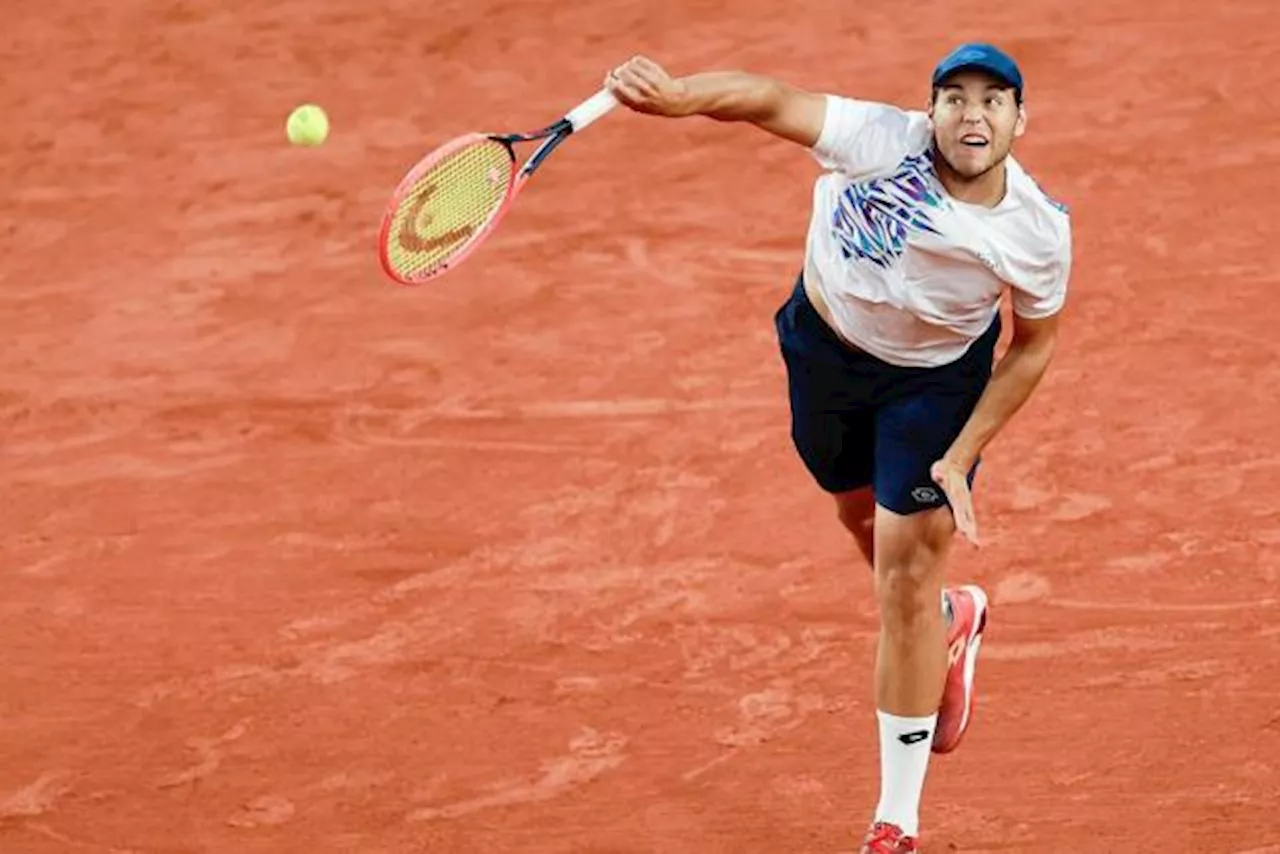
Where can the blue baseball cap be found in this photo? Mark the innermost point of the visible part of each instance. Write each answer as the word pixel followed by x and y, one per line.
pixel 979 56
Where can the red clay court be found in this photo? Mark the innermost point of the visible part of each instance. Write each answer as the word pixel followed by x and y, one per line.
pixel 298 560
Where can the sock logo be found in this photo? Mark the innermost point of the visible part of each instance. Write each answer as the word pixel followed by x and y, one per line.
pixel 910 738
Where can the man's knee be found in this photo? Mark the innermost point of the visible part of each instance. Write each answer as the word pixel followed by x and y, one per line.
pixel 911 554
pixel 907 596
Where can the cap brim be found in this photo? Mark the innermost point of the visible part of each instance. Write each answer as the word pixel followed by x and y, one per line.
pixel 946 75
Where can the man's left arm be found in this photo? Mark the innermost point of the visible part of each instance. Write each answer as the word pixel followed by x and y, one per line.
pixel 1037 305
pixel 1015 377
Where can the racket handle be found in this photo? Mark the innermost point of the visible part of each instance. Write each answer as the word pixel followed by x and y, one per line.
pixel 591 109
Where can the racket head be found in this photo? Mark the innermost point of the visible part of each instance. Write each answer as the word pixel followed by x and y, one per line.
pixel 445 206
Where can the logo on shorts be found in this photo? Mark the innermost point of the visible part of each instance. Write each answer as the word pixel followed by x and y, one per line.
pixel 926 495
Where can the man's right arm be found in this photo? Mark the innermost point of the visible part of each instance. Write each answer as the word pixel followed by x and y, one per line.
pixel 727 96
pixel 770 104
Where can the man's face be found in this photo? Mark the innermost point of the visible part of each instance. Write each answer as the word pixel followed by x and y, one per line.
pixel 975 118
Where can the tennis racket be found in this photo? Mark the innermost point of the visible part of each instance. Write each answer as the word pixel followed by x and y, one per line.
pixel 454 198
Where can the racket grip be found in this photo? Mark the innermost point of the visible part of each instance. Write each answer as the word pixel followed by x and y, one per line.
pixel 591 109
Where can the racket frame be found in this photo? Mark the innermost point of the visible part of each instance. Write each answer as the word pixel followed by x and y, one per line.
pixel 553 135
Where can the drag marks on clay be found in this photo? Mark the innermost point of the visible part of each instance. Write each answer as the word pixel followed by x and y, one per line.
pixel 804 789
pixel 68 843
pixel 264 811
pixel 762 716
pixel 716 648
pixel 1020 588
pixel 698 636
pixel 403 419
pixel 1149 607
pixel 365 425
pixel 1075 506
pixel 1076 644
pixel 208 755
pixel 128 467
pixel 329 661
pixel 591 754
pixel 416 618
pixel 659 262
pixel 619 508
pixel 1060 507
pixel 195 438
pixel 36 798
pixel 1198 671
pixel 701 615
pixel 102 441
pixel 638 407
pixel 506 428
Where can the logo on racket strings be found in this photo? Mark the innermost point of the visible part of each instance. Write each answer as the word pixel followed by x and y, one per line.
pixel 411 237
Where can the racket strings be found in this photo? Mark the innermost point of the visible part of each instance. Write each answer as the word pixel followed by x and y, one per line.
pixel 449 204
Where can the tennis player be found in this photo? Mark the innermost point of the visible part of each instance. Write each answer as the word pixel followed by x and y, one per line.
pixel 921 221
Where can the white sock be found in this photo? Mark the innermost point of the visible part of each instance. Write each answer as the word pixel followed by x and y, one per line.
pixel 904 758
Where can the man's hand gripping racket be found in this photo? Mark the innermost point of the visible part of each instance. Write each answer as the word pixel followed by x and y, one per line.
pixel 453 199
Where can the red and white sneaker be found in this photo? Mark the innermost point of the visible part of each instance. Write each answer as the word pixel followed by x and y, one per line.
pixel 969 609
pixel 885 838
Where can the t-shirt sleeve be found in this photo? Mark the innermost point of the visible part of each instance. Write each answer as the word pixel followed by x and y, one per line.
pixel 1045 294
pixel 861 138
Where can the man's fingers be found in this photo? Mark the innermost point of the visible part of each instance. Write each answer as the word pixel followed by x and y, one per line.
pixel 627 94
pixel 956 485
pixel 635 81
pixel 964 522
pixel 625 87
pixel 652 77
pixel 962 506
pixel 649 67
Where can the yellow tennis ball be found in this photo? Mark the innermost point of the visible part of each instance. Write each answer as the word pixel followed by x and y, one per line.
pixel 307 125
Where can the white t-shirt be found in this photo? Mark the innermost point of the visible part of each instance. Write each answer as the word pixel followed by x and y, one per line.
pixel 912 275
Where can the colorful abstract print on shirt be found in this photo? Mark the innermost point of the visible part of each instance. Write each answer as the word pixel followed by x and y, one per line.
pixel 873 218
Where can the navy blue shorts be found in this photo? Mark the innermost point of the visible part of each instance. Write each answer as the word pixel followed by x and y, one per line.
pixel 859 421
